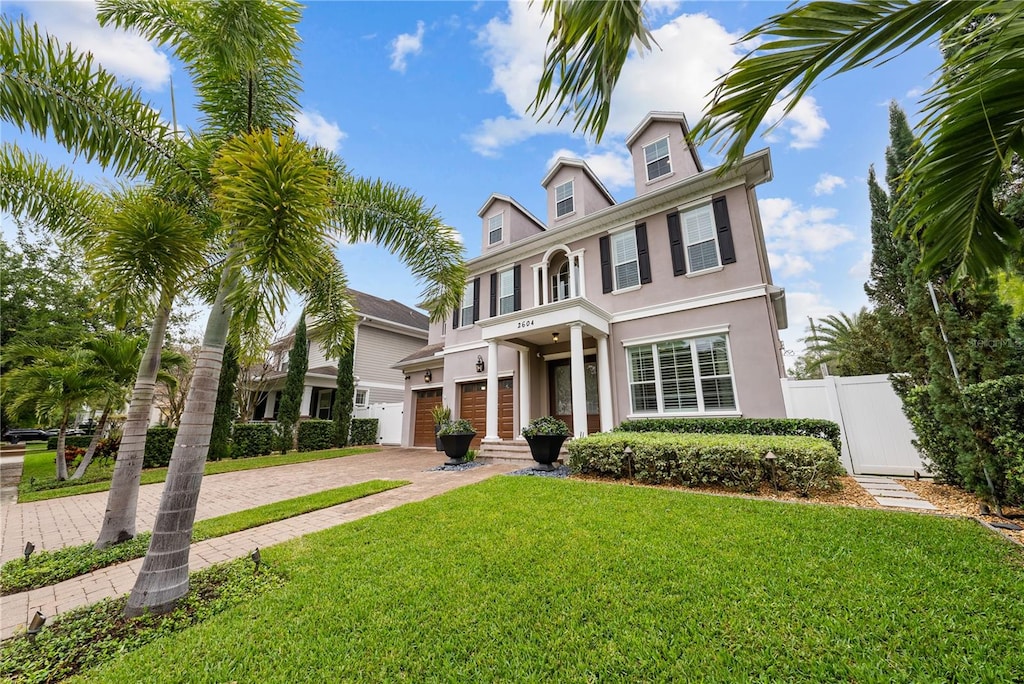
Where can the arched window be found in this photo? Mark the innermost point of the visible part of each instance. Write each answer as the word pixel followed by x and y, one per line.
pixel 560 282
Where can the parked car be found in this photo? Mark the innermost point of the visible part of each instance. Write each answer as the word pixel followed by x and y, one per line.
pixel 15 435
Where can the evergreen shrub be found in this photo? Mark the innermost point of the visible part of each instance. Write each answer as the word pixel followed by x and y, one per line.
pixel 252 439
pixel 996 409
pixel 159 445
pixel 800 427
pixel 315 435
pixel 364 431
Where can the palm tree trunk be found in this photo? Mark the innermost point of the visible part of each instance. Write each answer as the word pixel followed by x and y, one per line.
pixel 62 463
pixel 163 578
pixel 96 436
pixel 123 498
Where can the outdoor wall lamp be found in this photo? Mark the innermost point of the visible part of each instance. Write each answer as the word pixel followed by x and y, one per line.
pixel 35 625
pixel 479 364
pixel 554 337
pixel 29 548
pixel 427 377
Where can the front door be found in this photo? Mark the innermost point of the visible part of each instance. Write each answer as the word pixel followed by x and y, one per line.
pixel 560 384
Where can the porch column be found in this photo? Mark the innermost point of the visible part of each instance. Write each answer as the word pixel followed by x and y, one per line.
pixel 492 392
pixel 307 396
pixel 579 381
pixel 604 384
pixel 524 390
pixel 271 402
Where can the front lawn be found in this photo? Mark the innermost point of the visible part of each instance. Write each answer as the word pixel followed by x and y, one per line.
pixel 38 482
pixel 531 579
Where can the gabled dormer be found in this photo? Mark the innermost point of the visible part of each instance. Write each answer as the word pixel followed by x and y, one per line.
pixel 506 221
pixel 661 151
pixel 573 191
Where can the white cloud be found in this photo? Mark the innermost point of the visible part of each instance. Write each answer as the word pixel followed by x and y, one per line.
pixel 404 45
pixel 318 130
pixel 613 166
pixel 805 123
pixel 693 51
pixel 126 54
pixel 789 228
pixel 800 305
pixel 655 8
pixel 827 183
pixel 862 269
pixel 789 265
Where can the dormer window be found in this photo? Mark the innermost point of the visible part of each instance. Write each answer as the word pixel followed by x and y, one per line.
pixel 656 157
pixel 564 200
pixel 494 225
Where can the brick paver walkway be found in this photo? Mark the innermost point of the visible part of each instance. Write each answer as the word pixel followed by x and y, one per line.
pixel 45 524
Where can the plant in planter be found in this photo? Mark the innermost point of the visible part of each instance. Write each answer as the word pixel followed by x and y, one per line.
pixel 456 436
pixel 441 414
pixel 545 436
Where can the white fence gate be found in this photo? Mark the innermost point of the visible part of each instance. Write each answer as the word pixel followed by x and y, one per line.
pixel 389 421
pixel 876 435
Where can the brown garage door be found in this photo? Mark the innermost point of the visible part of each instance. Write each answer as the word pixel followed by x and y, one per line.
pixel 473 407
pixel 423 431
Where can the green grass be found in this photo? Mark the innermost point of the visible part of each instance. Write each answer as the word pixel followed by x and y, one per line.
pixel 38 482
pixel 530 579
pixel 51 567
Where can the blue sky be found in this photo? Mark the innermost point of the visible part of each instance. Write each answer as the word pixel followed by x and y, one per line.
pixel 432 96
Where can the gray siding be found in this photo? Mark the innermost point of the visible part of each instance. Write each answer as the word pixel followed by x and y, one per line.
pixel 377 350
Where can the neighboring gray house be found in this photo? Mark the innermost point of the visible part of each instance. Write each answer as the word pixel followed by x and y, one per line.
pixel 385 332
pixel 662 305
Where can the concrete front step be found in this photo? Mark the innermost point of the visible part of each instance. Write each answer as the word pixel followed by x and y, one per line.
pixel 514 452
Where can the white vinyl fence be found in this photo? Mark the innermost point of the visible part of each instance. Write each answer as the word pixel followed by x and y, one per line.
pixel 876 434
pixel 389 421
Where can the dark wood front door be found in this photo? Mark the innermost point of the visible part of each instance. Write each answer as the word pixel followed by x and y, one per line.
pixel 560 385
pixel 473 407
pixel 423 432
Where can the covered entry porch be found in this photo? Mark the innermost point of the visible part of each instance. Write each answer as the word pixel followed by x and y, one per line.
pixel 538 336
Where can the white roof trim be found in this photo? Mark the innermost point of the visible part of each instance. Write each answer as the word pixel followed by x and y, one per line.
pixel 579 164
pixel 517 205
pixel 651 117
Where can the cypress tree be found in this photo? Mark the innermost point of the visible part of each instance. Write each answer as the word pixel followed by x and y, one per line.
pixel 343 397
pixel 224 409
pixel 291 396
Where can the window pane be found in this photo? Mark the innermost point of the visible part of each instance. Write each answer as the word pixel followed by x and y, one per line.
pixel 564 207
pixel 466 314
pixel 712 356
pixel 699 226
pixel 494 229
pixel 645 398
pixel 627 275
pixel 643 391
pixel 678 386
pixel 627 269
pixel 563 191
pixel 656 150
pixel 702 255
pixel 718 394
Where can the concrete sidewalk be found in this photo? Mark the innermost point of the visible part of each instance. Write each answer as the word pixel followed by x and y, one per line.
pixel 220 494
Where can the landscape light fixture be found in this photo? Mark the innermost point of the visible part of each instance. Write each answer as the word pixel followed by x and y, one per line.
pixel 35 625
pixel 479 364
pixel 554 336
pixel 29 548
pixel 427 377
pixel 256 558
pixel 772 458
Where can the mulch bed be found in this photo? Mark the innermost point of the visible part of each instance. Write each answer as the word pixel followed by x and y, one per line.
pixel 953 501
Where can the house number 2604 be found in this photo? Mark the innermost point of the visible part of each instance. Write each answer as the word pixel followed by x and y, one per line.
pixel 524 324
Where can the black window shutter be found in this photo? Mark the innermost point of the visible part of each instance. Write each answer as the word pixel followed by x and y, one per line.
pixel 476 300
pixel 314 401
pixel 724 231
pixel 330 410
pixel 642 255
pixel 494 295
pixel 675 245
pixel 517 288
pixel 606 264
pixel 455 318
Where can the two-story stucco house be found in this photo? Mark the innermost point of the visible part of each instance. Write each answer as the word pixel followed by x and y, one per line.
pixel 385 332
pixel 662 305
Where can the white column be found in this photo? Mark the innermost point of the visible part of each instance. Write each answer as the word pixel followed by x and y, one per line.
pixel 524 390
pixel 545 287
pixel 538 292
pixel 579 381
pixel 307 396
pixel 604 384
pixel 492 392
pixel 271 402
pixel 572 277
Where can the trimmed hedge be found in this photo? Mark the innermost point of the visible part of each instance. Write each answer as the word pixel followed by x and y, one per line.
pixel 80 441
pixel 159 445
pixel 252 439
pixel 364 431
pixel 797 427
pixel 730 461
pixel 996 410
pixel 315 435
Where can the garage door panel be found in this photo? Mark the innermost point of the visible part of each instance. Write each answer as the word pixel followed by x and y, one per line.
pixel 423 431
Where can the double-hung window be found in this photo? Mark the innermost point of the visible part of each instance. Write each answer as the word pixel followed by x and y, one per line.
pixel 466 310
pixel 361 398
pixel 494 225
pixel 564 199
pixel 625 261
pixel 656 158
pixel 681 376
pixel 699 237
pixel 506 292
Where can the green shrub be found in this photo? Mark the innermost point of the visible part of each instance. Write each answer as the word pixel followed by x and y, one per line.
pixel 159 445
pixel 364 431
pixel 315 435
pixel 460 426
pixel 996 410
pixel 800 427
pixel 252 439
pixel 108 448
pixel 81 441
pixel 730 461
pixel 944 437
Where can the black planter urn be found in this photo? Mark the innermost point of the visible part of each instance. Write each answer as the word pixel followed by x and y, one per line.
pixel 437 439
pixel 456 447
pixel 544 449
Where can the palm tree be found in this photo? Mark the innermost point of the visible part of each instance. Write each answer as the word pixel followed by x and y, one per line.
pixel 972 117
pixel 53 385
pixel 847 345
